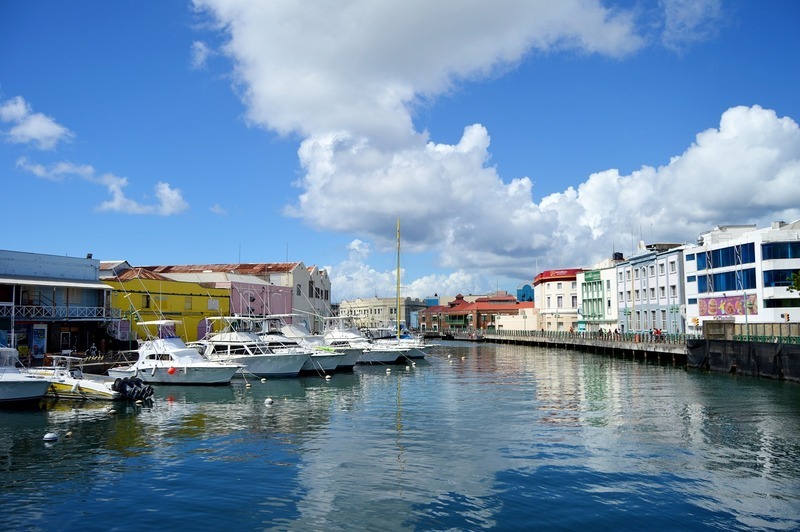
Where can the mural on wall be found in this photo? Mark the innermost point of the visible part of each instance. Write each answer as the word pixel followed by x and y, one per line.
pixel 728 306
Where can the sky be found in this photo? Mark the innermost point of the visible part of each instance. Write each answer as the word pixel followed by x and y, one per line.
pixel 508 137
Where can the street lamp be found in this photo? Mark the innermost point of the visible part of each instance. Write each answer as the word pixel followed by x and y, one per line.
pixel 673 311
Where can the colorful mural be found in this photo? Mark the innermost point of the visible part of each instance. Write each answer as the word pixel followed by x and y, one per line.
pixel 728 306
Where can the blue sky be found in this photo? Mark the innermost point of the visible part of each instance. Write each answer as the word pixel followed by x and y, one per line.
pixel 509 137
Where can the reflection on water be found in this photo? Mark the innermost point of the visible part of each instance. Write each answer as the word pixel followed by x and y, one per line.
pixel 476 436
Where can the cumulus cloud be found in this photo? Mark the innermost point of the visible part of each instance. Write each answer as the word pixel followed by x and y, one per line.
pixel 347 80
pixel 28 127
pixel 169 200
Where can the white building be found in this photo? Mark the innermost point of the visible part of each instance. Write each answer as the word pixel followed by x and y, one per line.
pixel 650 291
pixel 556 297
pixel 598 308
pixel 741 274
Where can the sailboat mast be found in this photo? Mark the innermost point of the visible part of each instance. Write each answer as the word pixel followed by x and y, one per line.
pixel 397 300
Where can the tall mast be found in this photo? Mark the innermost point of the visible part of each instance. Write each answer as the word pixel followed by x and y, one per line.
pixel 397 300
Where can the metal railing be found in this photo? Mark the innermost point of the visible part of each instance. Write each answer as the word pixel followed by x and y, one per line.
pixel 640 337
pixel 58 312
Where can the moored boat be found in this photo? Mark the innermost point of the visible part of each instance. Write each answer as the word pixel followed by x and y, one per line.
pixel 68 381
pixel 18 386
pixel 171 361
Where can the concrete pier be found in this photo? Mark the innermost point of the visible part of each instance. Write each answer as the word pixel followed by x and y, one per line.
pixel 666 349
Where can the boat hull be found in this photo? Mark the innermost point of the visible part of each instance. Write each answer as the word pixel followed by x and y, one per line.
pixel 196 374
pixel 22 390
pixel 321 362
pixel 268 365
pixel 380 355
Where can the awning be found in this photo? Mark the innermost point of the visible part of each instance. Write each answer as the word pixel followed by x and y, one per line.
pixel 97 285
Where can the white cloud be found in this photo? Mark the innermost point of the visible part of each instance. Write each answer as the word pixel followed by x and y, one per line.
pixel 360 67
pixel 348 78
pixel 200 54
pixel 218 209
pixel 689 21
pixel 170 200
pixel 31 128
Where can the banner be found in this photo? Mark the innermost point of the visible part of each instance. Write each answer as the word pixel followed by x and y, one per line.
pixel 728 306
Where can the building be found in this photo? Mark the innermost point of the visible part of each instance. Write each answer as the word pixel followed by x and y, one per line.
pixel 310 286
pixel 143 295
pixel 50 303
pixel 557 299
pixel 380 312
pixel 741 274
pixel 597 305
pixel 650 290
pixel 461 316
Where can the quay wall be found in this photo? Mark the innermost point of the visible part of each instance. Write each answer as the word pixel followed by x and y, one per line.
pixel 770 357
pixel 666 349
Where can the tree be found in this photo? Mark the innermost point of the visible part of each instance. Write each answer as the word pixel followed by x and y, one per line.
pixel 795 282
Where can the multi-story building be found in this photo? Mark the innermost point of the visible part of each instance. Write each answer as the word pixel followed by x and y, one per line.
pixel 650 290
pixel 50 303
pixel 461 315
pixel 556 296
pixel 598 305
pixel 311 286
pixel 143 295
pixel 741 274
pixel 381 312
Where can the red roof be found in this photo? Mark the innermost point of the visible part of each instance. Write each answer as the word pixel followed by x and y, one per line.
pixel 566 274
pixel 260 268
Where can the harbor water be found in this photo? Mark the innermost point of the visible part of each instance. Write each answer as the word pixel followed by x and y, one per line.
pixel 476 436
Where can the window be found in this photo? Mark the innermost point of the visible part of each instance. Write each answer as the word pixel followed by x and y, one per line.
pixel 778 250
pixel 672 266
pixel 574 301
pixel 608 284
pixel 560 301
pixel 663 317
pixel 652 270
pixel 692 301
pixel 673 290
pixel 691 279
pixel 690 257
pixel 619 275
pixel 662 292
pixel 608 305
pixel 636 274
pixel 727 281
pixel 652 293
pixel 574 285
pixel 298 290
pixel 778 278
pixel 621 297
pixel 558 286
pixel 548 301
pixel 628 295
pixel 637 295
pixel 661 269
pixel 145 301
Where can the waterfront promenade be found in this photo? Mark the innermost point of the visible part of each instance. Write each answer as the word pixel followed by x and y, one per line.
pixel 664 348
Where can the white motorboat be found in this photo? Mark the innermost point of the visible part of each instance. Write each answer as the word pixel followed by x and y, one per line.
pixel 16 384
pixel 239 345
pixel 171 361
pixel 320 360
pixel 350 354
pixel 68 381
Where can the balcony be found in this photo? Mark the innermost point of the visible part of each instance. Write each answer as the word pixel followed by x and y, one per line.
pixel 37 312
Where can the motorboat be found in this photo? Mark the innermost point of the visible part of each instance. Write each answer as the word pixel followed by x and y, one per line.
pixel 320 343
pixel 68 381
pixel 170 361
pixel 237 343
pixel 16 384
pixel 320 359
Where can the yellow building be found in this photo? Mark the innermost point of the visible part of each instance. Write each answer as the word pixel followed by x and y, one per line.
pixel 142 295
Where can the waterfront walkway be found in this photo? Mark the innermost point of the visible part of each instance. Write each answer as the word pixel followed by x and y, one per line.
pixel 664 348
